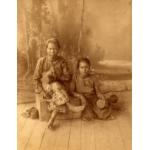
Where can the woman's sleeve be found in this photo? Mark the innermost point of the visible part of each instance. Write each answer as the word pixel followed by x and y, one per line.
pixel 37 76
pixel 66 76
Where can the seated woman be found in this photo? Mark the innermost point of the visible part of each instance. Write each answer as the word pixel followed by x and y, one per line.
pixel 85 84
pixel 53 69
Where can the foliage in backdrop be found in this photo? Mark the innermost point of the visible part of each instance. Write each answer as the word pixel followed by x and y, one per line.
pixel 39 20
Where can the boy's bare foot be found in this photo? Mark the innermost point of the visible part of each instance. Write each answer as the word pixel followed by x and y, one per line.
pixel 111 117
pixel 87 118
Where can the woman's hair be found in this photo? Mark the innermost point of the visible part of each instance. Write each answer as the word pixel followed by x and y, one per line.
pixel 54 41
pixel 85 60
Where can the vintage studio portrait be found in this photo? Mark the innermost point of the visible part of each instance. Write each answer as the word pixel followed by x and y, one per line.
pixel 74 75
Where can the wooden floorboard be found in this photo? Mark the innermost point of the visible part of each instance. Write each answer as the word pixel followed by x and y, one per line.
pixel 87 136
pixel 25 128
pixel 25 134
pixel 20 119
pixel 102 140
pixel 20 108
pixel 75 135
pixel 48 140
pixel 124 121
pixel 37 136
pixel 57 139
pixel 62 139
pixel 124 126
pixel 113 134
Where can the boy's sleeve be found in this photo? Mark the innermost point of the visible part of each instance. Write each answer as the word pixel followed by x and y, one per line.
pixel 97 87
pixel 72 86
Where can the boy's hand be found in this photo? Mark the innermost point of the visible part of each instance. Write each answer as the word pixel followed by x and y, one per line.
pixel 100 103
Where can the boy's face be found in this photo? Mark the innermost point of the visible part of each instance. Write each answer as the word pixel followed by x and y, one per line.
pixel 84 69
pixel 52 50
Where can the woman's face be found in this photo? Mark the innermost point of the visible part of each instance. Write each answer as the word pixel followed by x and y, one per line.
pixel 84 69
pixel 52 50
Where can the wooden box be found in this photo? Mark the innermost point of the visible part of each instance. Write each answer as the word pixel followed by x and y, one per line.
pixel 44 113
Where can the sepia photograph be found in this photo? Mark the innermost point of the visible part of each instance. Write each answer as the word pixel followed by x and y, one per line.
pixel 74 74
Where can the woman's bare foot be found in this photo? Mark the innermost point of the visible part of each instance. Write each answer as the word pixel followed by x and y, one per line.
pixel 53 126
pixel 50 125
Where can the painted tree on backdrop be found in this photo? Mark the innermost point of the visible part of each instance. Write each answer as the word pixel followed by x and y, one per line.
pixel 37 15
pixel 68 24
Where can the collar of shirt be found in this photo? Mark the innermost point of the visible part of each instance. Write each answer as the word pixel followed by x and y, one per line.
pixel 84 77
pixel 51 60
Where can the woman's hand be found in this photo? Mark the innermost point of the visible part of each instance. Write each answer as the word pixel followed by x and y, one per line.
pixel 38 91
pixel 45 94
pixel 38 87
